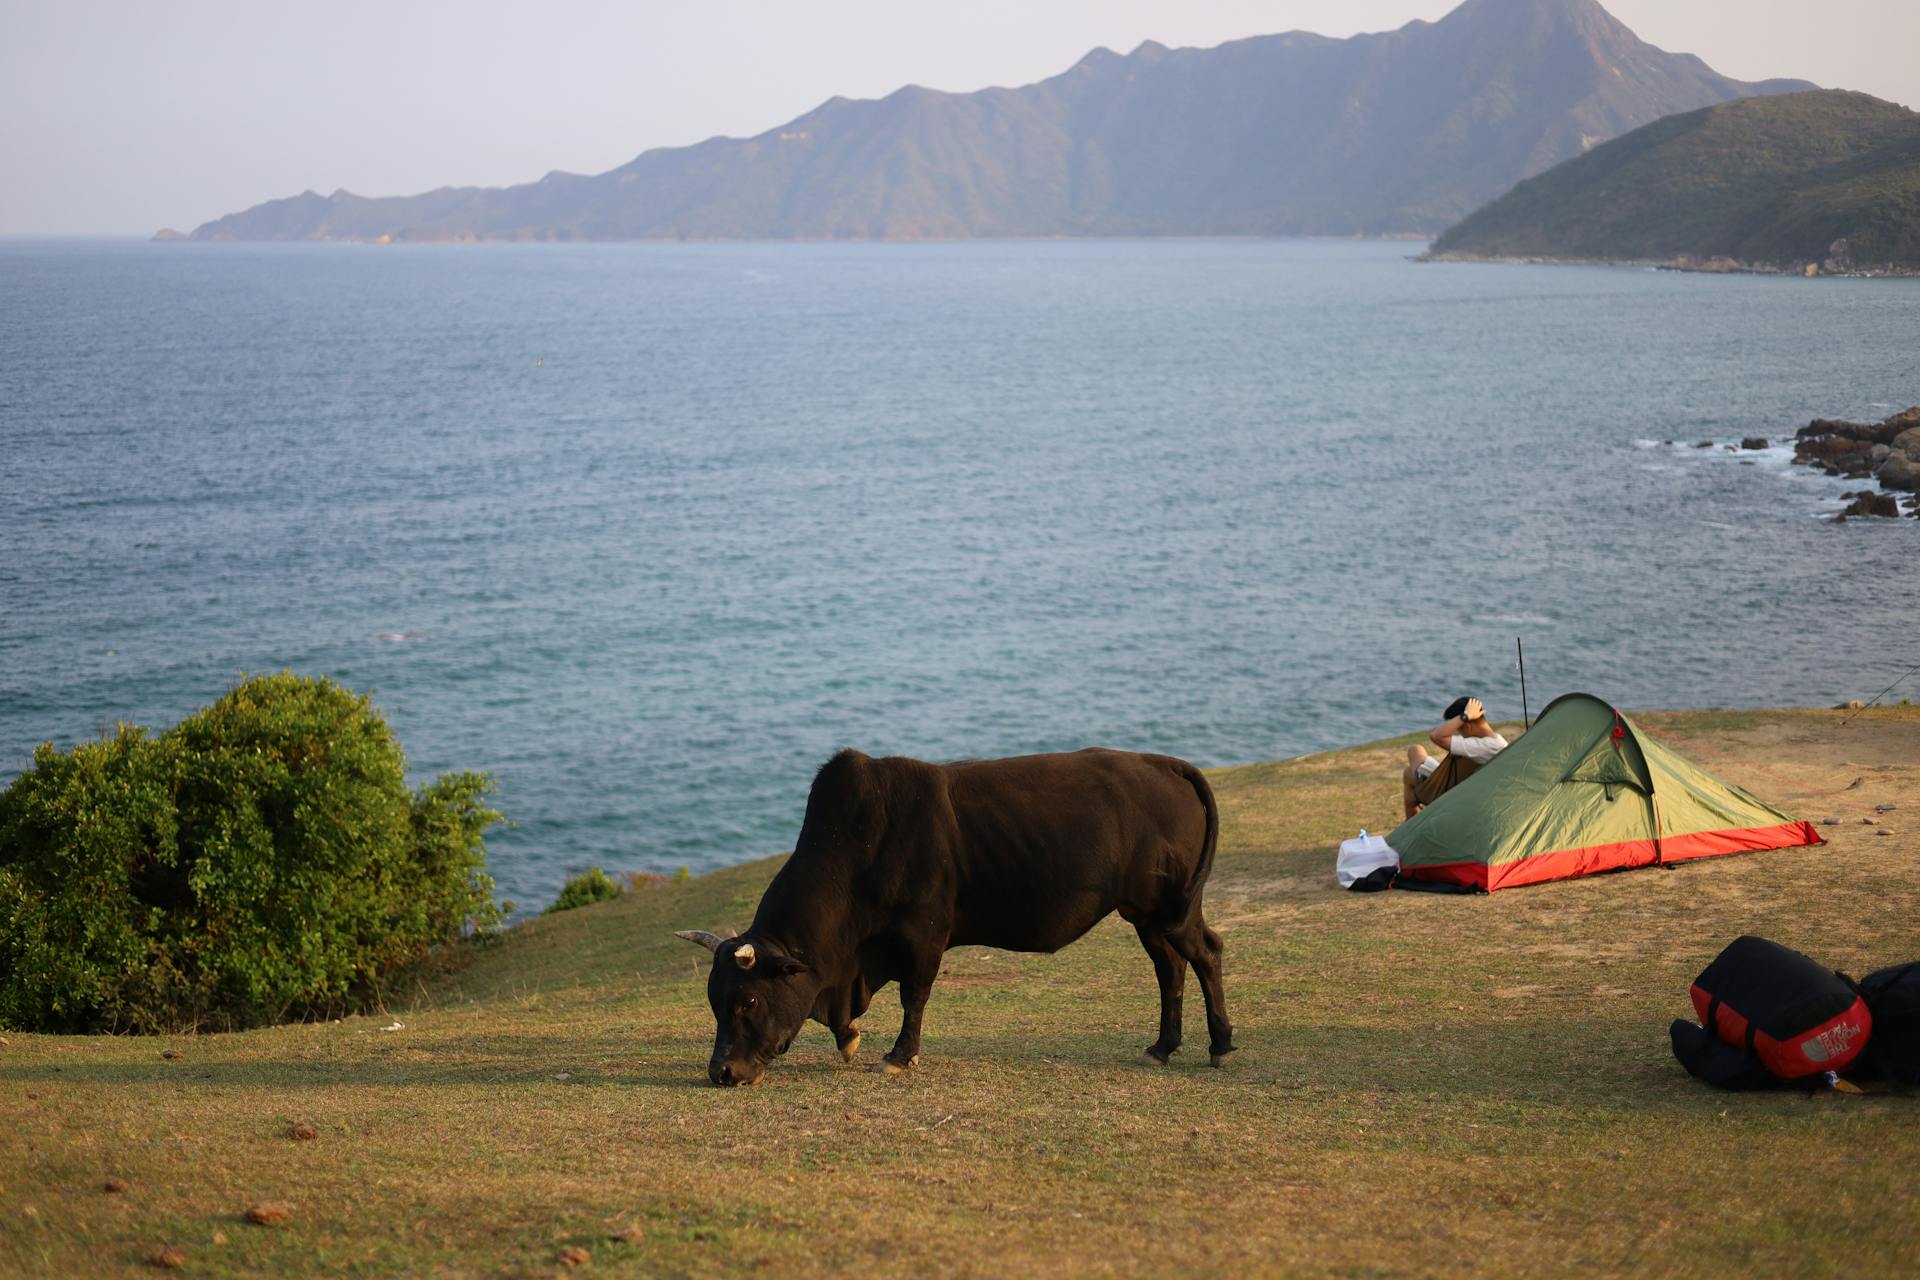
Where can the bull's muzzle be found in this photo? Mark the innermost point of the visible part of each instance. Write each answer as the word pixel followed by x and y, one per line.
pixel 727 1073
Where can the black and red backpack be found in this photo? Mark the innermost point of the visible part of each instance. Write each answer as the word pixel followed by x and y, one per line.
pixel 1784 1017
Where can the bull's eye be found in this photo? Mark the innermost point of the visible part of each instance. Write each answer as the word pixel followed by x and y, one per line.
pixel 747 1003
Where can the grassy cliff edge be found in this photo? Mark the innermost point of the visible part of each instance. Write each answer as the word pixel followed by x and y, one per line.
pixel 1426 1084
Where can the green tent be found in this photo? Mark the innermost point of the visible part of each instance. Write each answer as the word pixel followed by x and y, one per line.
pixel 1584 791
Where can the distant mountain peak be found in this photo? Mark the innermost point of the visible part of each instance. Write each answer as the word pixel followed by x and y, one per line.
pixel 1576 9
pixel 1394 133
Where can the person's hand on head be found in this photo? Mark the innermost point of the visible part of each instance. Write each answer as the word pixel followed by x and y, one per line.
pixel 1475 710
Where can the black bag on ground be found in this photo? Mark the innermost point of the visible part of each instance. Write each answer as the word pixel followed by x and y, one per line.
pixel 1376 880
pixel 1720 1065
pixel 1893 996
pixel 1797 1018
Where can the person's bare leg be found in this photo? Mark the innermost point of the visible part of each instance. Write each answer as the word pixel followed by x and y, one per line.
pixel 1410 779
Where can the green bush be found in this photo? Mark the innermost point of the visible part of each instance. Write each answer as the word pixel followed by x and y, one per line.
pixel 584 890
pixel 261 860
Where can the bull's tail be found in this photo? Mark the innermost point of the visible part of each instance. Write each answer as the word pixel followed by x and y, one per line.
pixel 1204 867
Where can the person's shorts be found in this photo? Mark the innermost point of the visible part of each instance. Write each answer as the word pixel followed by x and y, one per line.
pixel 1437 777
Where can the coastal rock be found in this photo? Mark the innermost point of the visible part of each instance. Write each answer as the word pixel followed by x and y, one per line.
pixel 1864 432
pixel 1888 451
pixel 1872 504
pixel 1754 442
pixel 1836 455
pixel 1899 472
pixel 1836 427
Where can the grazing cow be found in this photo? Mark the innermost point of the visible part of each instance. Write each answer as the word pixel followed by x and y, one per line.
pixel 898 860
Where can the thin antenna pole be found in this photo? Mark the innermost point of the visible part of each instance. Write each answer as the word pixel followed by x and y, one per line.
pixel 1521 653
pixel 1883 693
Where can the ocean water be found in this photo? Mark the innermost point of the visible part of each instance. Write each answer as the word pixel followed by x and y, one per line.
pixel 649 531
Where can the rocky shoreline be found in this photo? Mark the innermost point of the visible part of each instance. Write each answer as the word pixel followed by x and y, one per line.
pixel 1888 452
pixel 1695 266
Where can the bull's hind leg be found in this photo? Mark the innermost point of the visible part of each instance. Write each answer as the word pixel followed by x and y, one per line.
pixel 1170 967
pixel 1202 947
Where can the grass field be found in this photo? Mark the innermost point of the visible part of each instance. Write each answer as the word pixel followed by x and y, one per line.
pixel 1425 1085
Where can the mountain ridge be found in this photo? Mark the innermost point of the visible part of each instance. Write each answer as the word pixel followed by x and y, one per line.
pixel 1397 132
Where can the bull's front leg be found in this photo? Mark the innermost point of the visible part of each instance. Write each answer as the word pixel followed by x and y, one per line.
pixel 840 1010
pixel 915 987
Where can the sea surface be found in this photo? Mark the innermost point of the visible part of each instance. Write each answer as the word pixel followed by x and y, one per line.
pixel 648 531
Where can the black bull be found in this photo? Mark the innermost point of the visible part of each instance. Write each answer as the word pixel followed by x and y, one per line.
pixel 899 860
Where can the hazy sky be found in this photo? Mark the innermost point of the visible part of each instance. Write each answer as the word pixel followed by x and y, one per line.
pixel 131 115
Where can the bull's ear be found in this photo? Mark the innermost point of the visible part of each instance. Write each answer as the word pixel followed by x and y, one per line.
pixel 711 941
pixel 788 966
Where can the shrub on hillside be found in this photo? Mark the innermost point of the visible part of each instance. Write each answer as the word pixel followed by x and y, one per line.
pixel 584 890
pixel 262 859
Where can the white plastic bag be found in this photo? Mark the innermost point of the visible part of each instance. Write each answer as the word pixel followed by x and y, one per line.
pixel 1361 857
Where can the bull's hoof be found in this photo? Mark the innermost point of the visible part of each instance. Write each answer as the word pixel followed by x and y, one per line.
pixel 888 1067
pixel 1156 1057
pixel 850 1046
pixel 1219 1058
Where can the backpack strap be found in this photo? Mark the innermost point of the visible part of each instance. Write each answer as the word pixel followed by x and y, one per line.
pixel 1713 1023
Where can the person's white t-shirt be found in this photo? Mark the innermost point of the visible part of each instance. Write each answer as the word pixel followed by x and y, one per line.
pixel 1478 750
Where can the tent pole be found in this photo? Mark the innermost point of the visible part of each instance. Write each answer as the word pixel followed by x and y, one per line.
pixel 1521 652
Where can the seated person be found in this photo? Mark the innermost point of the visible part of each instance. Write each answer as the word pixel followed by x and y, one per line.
pixel 1469 742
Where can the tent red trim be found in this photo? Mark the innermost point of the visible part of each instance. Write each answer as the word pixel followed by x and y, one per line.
pixel 1563 864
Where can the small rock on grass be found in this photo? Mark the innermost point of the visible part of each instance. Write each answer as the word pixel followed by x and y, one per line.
pixel 1883 832
pixel 170 1258
pixel 635 1234
pixel 114 1186
pixel 269 1213
pixel 301 1131
pixel 575 1256
pixel 169 1054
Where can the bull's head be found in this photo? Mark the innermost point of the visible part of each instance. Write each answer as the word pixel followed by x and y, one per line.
pixel 761 997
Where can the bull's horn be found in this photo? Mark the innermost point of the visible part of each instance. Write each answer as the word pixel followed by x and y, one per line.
pixel 711 941
pixel 743 955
